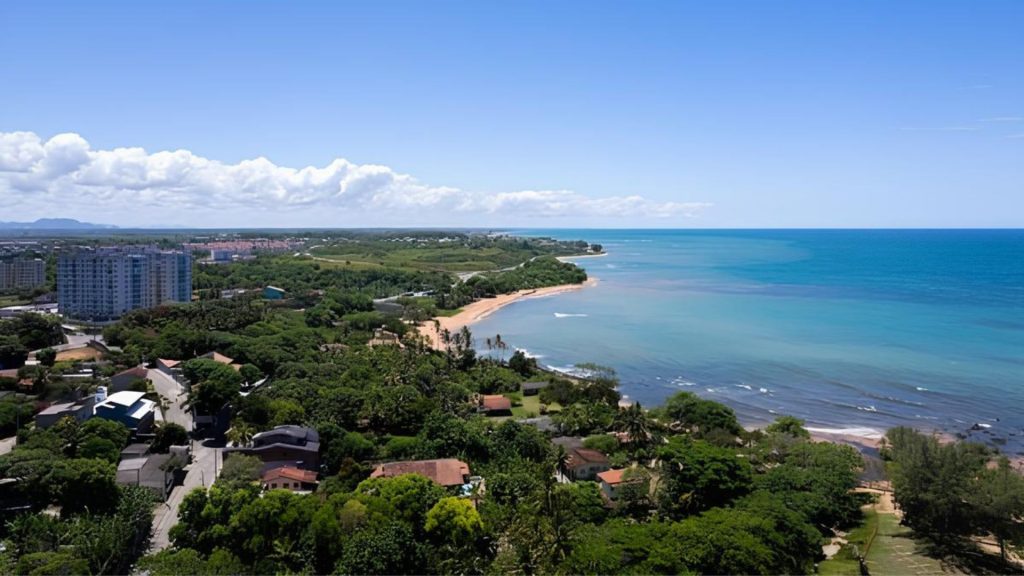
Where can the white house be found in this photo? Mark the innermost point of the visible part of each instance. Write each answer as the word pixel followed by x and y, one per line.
pixel 129 408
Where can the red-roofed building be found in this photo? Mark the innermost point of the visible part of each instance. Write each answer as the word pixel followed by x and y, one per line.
pixel 289 478
pixel 611 480
pixel 446 471
pixel 123 380
pixel 584 463
pixel 169 367
pixel 495 405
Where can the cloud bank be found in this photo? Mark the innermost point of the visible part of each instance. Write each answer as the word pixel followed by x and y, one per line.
pixel 65 171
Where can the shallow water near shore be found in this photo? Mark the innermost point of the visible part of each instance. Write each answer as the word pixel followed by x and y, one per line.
pixel 853 331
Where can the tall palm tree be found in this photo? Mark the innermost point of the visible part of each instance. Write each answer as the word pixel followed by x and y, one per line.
pixel 633 421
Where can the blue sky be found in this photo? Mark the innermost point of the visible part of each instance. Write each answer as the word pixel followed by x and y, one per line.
pixel 664 114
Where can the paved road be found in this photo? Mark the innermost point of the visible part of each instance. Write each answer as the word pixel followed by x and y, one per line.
pixel 206 460
pixel 201 473
pixel 7 444
pixel 168 388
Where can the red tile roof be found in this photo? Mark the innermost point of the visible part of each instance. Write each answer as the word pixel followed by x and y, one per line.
pixel 495 403
pixel 169 363
pixel 290 473
pixel 612 477
pixel 582 456
pixel 218 357
pixel 138 372
pixel 446 471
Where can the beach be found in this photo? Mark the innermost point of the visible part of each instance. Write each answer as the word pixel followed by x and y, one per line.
pixel 483 308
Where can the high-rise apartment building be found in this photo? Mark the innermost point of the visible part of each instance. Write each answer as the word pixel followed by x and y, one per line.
pixel 103 284
pixel 22 273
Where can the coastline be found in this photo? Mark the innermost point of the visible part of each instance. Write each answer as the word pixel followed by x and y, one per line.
pixel 570 258
pixel 480 309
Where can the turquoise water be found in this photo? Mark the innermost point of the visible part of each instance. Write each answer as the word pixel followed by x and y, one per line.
pixel 850 330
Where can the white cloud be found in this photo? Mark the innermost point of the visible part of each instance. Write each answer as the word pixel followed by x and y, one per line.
pixel 66 171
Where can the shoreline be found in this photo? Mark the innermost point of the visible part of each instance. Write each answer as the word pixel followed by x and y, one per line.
pixel 568 258
pixel 480 309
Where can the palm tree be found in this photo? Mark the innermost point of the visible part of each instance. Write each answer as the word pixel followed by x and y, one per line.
pixel 240 434
pixel 633 421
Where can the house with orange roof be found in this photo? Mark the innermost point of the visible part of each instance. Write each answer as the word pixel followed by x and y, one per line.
pixel 611 481
pixel 448 472
pixel 289 478
pixel 222 359
pixel 495 405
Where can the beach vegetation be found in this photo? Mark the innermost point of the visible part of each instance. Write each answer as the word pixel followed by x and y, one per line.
pixel 950 493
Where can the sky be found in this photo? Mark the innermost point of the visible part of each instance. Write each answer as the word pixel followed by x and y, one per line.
pixel 846 113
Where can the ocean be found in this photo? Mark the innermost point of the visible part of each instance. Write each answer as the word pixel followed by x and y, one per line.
pixel 854 331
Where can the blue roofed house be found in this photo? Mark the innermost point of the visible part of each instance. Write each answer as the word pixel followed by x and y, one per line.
pixel 128 408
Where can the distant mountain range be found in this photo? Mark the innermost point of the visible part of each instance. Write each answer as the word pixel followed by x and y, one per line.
pixel 54 224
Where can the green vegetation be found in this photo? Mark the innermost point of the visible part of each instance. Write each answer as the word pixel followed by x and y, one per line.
pixel 24 333
pixel 950 493
pixel 442 251
pixel 102 528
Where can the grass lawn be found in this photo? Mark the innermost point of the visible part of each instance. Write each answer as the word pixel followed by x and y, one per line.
pixel 891 549
pixel 895 551
pixel 845 563
pixel 12 300
pixel 529 405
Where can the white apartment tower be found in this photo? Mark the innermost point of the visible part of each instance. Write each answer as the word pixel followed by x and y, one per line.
pixel 101 285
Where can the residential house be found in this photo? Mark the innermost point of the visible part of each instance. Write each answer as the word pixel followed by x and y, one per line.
pixel 289 478
pixel 79 410
pixel 158 472
pixel 495 405
pixel 123 380
pixel 584 463
pixel 222 359
pixel 170 367
pixel 288 445
pixel 533 388
pixel 611 481
pixel 127 407
pixel 447 472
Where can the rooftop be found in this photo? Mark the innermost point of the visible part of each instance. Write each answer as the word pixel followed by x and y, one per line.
pixel 218 357
pixel 297 433
pixel 126 398
pixel 291 473
pixel 582 456
pixel 138 372
pixel 445 471
pixel 494 403
pixel 612 477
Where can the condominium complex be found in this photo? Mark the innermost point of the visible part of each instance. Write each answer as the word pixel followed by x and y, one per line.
pixel 22 273
pixel 102 284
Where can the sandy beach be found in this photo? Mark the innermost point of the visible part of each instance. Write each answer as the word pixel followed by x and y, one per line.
pixel 485 307
pixel 571 258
